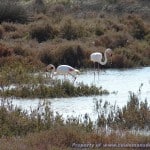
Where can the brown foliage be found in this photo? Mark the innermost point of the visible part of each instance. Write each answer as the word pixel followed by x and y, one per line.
pixel 5 51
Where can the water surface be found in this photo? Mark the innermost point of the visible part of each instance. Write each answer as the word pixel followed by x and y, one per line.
pixel 117 82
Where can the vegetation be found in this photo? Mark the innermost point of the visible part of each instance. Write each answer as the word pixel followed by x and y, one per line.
pixel 57 89
pixel 39 32
pixel 117 118
pixel 41 129
pixel 18 80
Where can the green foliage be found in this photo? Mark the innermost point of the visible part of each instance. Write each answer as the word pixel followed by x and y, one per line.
pixel 99 31
pixel 72 30
pixel 56 89
pixel 17 122
pixel 135 115
pixel 14 121
pixel 15 74
pixel 12 11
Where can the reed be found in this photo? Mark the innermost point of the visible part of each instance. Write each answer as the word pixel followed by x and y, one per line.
pixel 42 129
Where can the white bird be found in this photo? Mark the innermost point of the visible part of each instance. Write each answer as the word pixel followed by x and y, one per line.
pixel 63 70
pixel 98 57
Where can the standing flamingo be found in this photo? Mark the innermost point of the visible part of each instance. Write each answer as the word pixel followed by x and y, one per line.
pixel 63 70
pixel 97 57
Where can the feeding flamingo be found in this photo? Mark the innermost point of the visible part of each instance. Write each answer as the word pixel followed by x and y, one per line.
pixel 97 57
pixel 63 70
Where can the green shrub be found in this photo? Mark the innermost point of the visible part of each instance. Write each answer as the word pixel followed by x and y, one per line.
pixel 72 30
pixel 34 87
pixel 134 115
pixel 99 31
pixel 12 11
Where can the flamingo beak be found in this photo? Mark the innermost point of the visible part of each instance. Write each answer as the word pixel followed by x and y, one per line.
pixel 110 54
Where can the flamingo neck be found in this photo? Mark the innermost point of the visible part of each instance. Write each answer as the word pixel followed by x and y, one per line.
pixel 105 59
pixel 54 71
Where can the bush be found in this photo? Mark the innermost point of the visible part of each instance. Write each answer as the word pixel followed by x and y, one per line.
pixel 1 32
pixel 46 56
pixel 5 51
pixel 136 27
pixel 113 40
pixel 71 30
pixel 12 11
pixel 71 54
pixel 39 6
pixel 8 27
pixel 43 31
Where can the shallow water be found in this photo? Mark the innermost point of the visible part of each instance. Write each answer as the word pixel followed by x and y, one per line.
pixel 117 82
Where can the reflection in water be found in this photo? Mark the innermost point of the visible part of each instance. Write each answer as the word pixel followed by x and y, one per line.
pixel 118 82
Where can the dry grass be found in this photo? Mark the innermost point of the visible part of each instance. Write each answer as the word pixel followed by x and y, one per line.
pixel 37 130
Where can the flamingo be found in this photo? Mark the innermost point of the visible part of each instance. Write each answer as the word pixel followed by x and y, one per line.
pixel 63 70
pixel 97 57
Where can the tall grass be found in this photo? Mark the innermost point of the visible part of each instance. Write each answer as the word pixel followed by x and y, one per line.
pixel 134 115
pixel 42 129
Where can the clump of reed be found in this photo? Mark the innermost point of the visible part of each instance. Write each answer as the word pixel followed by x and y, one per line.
pixel 18 122
pixel 56 89
pixel 28 84
pixel 134 115
pixel 42 129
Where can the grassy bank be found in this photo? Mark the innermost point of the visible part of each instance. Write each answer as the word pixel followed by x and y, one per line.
pixel 55 89
pixel 41 129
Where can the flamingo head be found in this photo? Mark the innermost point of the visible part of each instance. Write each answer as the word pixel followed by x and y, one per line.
pixel 77 71
pixel 109 52
pixel 50 67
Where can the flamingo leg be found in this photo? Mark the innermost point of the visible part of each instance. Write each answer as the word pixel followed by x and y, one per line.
pixel 94 71
pixel 64 77
pixel 98 70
